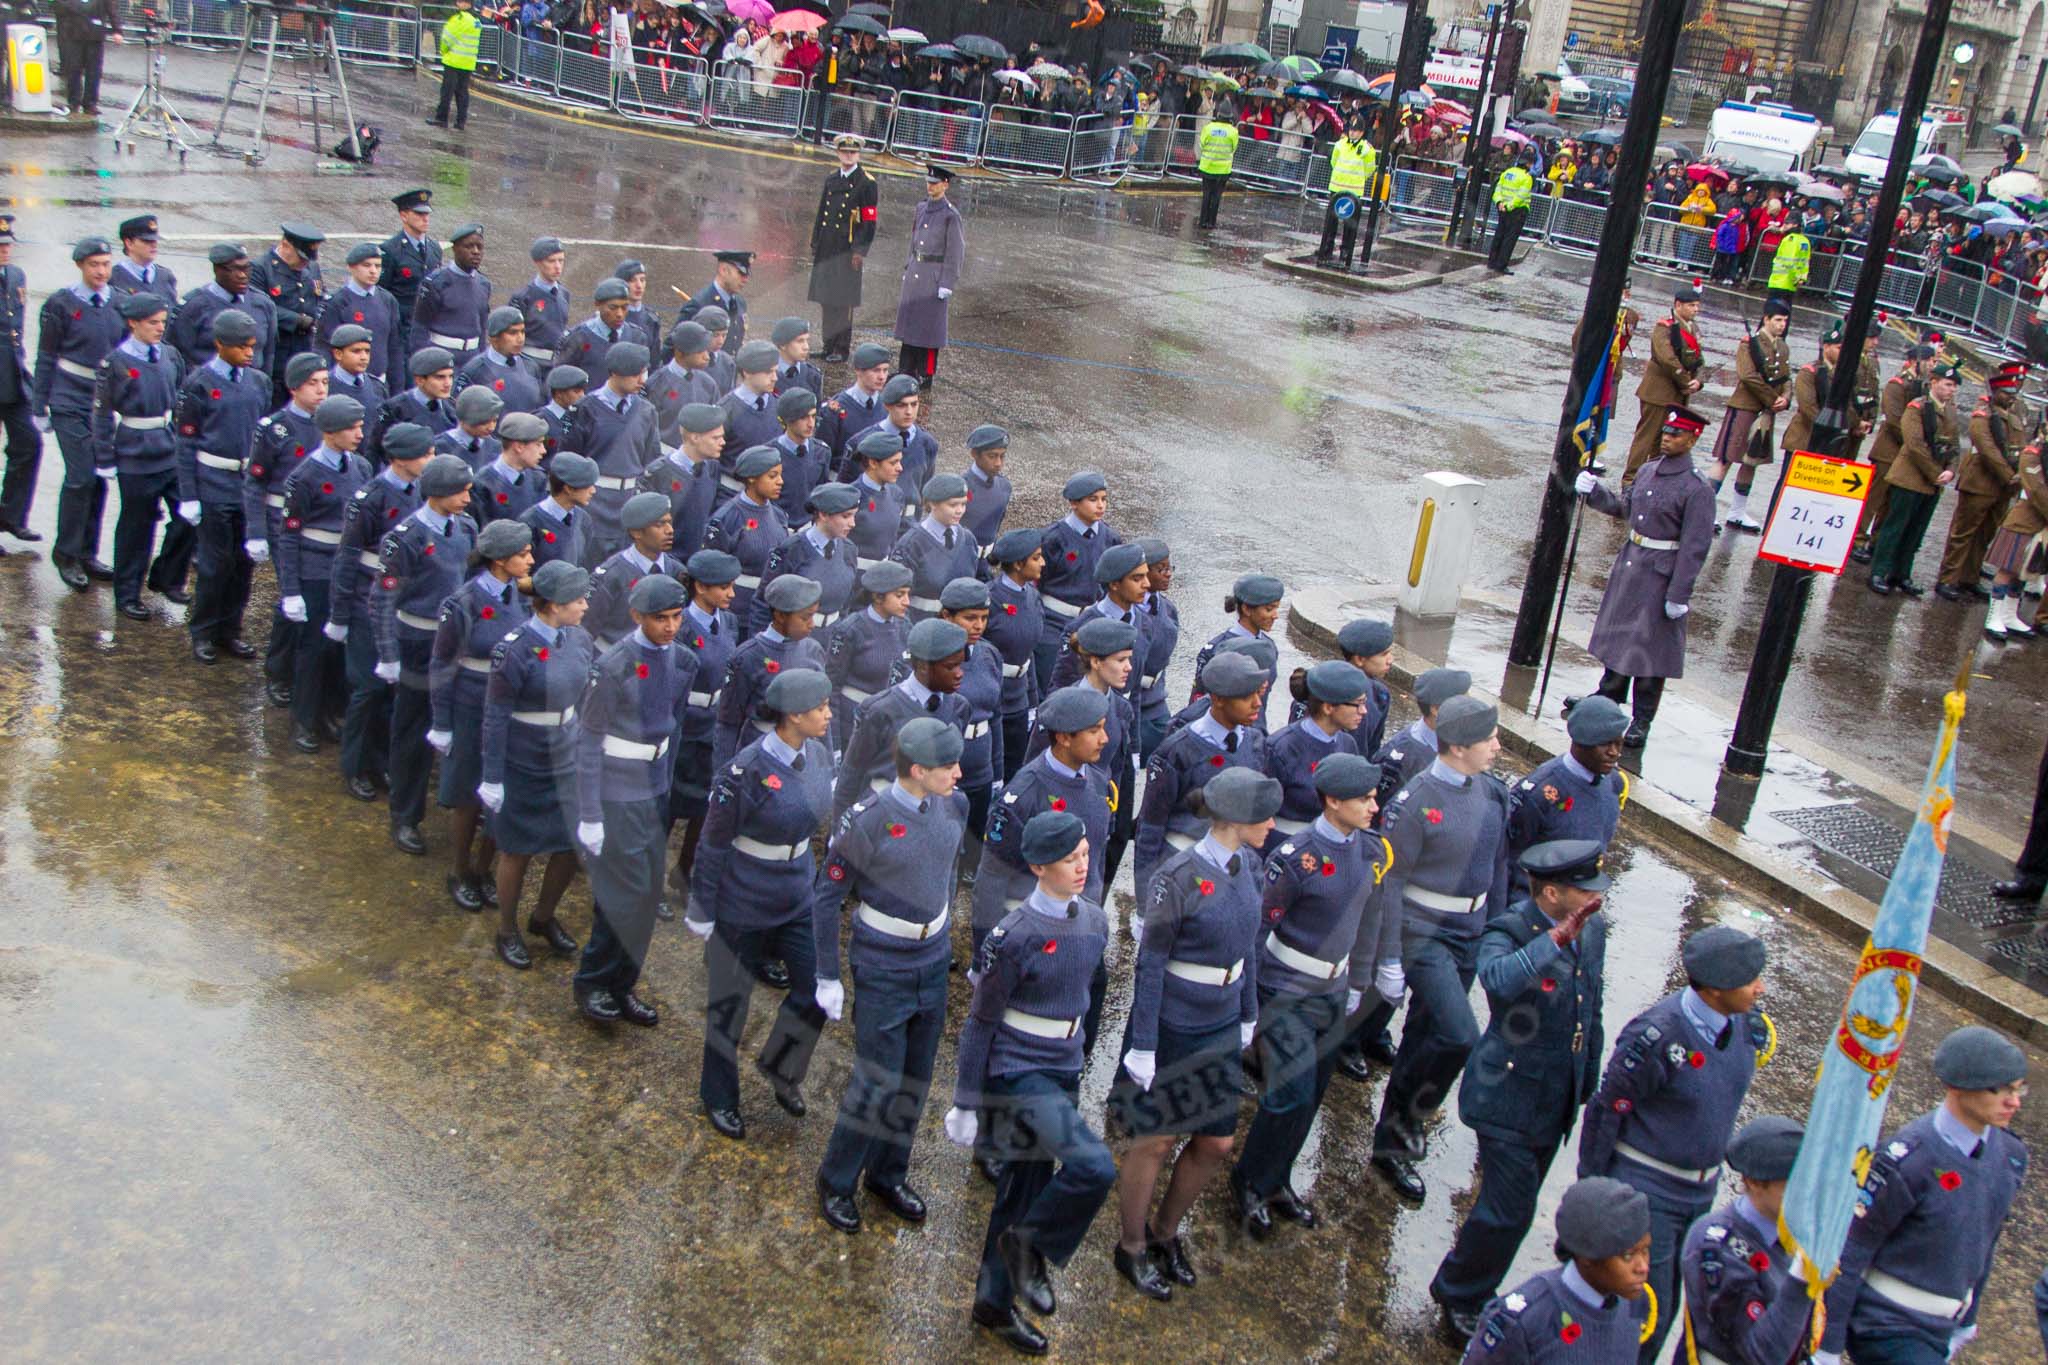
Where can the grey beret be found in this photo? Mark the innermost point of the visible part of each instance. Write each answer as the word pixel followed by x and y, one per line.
pixel 221 253
pixel 567 377
pixel 964 594
pixel 478 404
pixel 408 441
pixel 715 319
pixel 867 355
pixel 655 593
pixel 1257 590
pixel 544 247
pixel 1722 959
pixel 627 357
pixel 886 576
pixel 503 538
pixel 899 387
pixel 1345 776
pixel 466 230
pixel 609 288
pixel 987 437
pixel 797 690
pixel 1567 862
pixel 929 742
pixel 430 360
pixel 688 338
pixel 933 639
pixel 560 581
pixel 348 334
pixel 755 461
pixel 1231 675
pixel 1366 638
pixel 1439 685
pixel 233 326
pixel 1243 796
pixel 627 269
pixel 302 367
pixel 142 304
pixel 362 251
pixel 1765 1148
pixel 1262 652
pixel 879 443
pixel 1119 560
pixel 795 404
pixel 1466 720
pixel 1335 680
pixel 1156 550
pixel 713 567
pixel 573 470
pixel 792 592
pixel 1073 709
pixel 1050 836
pixel 522 426
pixel 1601 1217
pixel 444 476
pixel 501 317
pixel 1596 720
pixel 829 499
pixel 1016 545
pixel 756 357
pixel 98 246
pixel 1085 484
pixel 1099 636
pixel 944 487
pixel 699 418
pixel 787 330
pixel 1978 1058
pixel 642 510
pixel 338 412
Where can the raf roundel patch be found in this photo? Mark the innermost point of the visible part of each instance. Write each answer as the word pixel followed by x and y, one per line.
pixel 1754 1308
pixel 836 872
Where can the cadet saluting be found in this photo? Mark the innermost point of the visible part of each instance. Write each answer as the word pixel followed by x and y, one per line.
pixel 938 253
pixel 1742 1301
pixel 1595 1306
pixel 842 232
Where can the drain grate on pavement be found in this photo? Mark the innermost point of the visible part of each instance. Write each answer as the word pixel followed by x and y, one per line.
pixel 1849 831
pixel 2026 954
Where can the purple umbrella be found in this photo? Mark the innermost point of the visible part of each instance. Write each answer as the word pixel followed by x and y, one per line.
pixel 760 11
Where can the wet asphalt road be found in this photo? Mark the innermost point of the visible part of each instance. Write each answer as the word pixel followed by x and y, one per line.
pixel 268 1092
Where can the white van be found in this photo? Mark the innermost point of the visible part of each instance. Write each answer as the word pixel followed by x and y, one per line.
pixel 1770 137
pixel 1872 151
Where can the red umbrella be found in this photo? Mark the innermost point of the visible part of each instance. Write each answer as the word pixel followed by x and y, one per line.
pixel 1451 112
pixel 1324 115
pixel 1700 172
pixel 1384 82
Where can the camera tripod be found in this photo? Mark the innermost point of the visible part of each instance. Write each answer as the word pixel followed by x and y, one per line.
pixel 317 55
pixel 150 114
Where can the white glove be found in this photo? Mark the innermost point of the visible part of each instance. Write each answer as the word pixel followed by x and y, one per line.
pixel 962 1126
pixel 1137 927
pixel 293 607
pixel 188 512
pixel 108 473
pixel 1960 1338
pixel 1142 1066
pixel 492 794
pixel 702 929
pixel 1390 982
pixel 43 423
pixel 386 672
pixel 1674 610
pixel 945 293
pixel 338 634
pixel 257 550
pixel 1826 1358
pixel 1585 483
pixel 1245 1031
pixel 831 998
pixel 590 834
pixel 440 740
pixel 1352 1000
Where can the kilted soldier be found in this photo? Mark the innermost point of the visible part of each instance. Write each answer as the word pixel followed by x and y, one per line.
pixel 218 410
pixel 1639 635
pixel 455 301
pixel 502 366
pixel 2010 548
pixel 818 551
pixel 1986 479
pixel 543 302
pixel 410 255
pixel 1763 376
pixel 316 497
pixel 806 463
pixel 1671 376
pixel 793 367
pixel 841 234
pixel 1595 1305
pixel 78 326
pixel 373 512
pixel 362 301
pixel 135 442
pixel 1742 1300
pixel 988 488
pixel 938 253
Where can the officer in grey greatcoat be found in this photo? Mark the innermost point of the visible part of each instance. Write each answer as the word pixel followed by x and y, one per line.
pixel 938 253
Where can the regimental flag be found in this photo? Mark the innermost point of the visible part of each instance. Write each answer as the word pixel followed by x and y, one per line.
pixel 1589 432
pixel 1856 1070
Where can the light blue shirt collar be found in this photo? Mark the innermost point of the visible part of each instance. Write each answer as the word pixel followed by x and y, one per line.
pixel 490 587
pixel 554 509
pixel 1704 1017
pixel 865 482
pixel 392 478
pixel 337 375
pixel 1237 628
pixel 329 456
pixel 1764 1227
pixel 546 286
pixel 1585 1293
pixel 819 540
pixel 1313 731
pixel 440 521
pixel 1213 853
pixel 139 349
pixel 639 637
pixel 1080 527
pixel 1062 769
pixel 638 560
pixel 877 617
pixel 354 288
pixel 699 615
pixel 902 797
pixel 556 408
pixel 1578 769
pixel 913 689
pixel 773 636
pixel 1046 905
pixel 746 395
pixel 773 744
pixel 544 630
pixel 1955 1132
pixel 1208 727
pixel 858 395
pixel 219 366
pixel 1444 772
pixel 506 471
pixel 1329 831
pixel 1422 734
pixel 420 396
pixel 105 296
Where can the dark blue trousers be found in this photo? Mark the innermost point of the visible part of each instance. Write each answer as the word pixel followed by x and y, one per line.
pixel 366 725
pixel 625 885
pixel 1297 1041
pixel 730 957
pixel 1056 1173
pixel 144 497
pixel 24 458
pixel 220 590
pixel 1439 1035
pixel 1866 1350
pixel 1510 1177
pixel 82 501
pixel 412 715
pixel 316 661
pixel 898 1017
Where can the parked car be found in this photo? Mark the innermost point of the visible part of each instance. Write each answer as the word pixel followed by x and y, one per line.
pixel 1610 96
pixel 1574 96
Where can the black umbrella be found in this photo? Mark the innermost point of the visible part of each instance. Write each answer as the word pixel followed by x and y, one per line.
pixel 1192 72
pixel 870 11
pixel 943 52
pixel 1779 178
pixel 1236 54
pixel 1833 194
pixel 1974 213
pixel 1542 130
pixel 1674 151
pixel 1742 170
pixel 1603 137
pixel 1141 63
pixel 1937 168
pixel 850 22
pixel 1258 92
pixel 1533 115
pixel 1834 172
pixel 974 45
pixel 1337 78
pixel 1938 199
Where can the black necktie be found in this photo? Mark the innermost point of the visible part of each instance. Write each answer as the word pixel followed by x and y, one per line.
pixel 1088 534
pixel 152 355
pixel 1978 1150
pixel 714 625
pixel 828 549
pixel 931 703
pixel 434 406
pixel 95 300
pixel 614 336
pixel 797 763
pixel 475 445
pixel 923 806
pixel 1231 866
pixel 949 537
pixel 234 376
pixel 408 488
pixel 555 291
pixel 1727 1032
pixel 1230 742
pixel 1127 616
pixel 761 403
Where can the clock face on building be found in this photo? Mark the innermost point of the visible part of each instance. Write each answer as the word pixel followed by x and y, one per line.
pixel 1963 53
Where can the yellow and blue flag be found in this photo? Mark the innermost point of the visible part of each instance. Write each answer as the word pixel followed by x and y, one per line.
pixel 1589 432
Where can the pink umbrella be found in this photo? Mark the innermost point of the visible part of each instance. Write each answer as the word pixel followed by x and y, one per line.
pixel 1508 137
pixel 1450 112
pixel 761 11
pixel 796 21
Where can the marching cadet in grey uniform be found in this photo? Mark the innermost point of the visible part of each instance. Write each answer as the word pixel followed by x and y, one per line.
pixel 455 301
pixel 628 724
pixel 1541 967
pixel 749 409
pixel 864 647
pixel 1332 694
pixel 1414 747
pixel 820 552
pixel 350 347
pixel 538 673
pixel 1065 775
pixel 1255 601
pixel 1022 1047
pixel 363 302
pixel 1666 1106
pixel 282 440
pixel 1593 1307
pixel 688 474
pixel 988 488
pixel 1912 1275
pixel 76 329
pixel 191 329
pixel 1579 794
pixel 715 321
pixel 289 273
pixel 616 427
pixel 1639 635
pixel 1072 544
pixel 938 656
pixel 793 367
pixel 1016 619
pixel 783 645
pixel 609 617
pixel 805 462
pixel 1448 829
pixel 729 276
pixel 1124 580
pixel 543 303
pixel 503 367
pixel 938 253
pixel 937 549
pixel 900 399
pixel 1369 647
pixel 639 317
pixel 560 519
pixel 749 526
pixel 849 208
pixel 218 410
pixel 1168 821
pixel 135 441
pixel 588 343
pixel 1742 1301
pixel 1161 634
pixel 566 386
pixel 137 272
pixel 373 512
pixel 890 867
pixel 513 481
pixel 430 402
pixel 844 417
pixel 410 255
pixel 317 493
pixel 17 397
pixel 1104 649
pixel 711 633
pixel 472 439
pixel 885 507
pixel 423 561
pixel 964 602
pixel 684 380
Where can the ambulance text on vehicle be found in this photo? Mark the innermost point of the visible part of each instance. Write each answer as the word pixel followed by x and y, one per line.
pixel 1770 137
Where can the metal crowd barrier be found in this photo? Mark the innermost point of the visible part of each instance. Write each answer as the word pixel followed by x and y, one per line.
pixel 1019 145
pixel 938 128
pixel 1104 148
pixel 1271 164
pixel 859 107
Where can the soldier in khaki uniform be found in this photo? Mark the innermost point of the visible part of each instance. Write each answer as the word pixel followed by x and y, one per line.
pixel 1902 388
pixel 1985 480
pixel 1924 466
pixel 1763 373
pixel 2008 557
pixel 1869 390
pixel 1810 390
pixel 1671 376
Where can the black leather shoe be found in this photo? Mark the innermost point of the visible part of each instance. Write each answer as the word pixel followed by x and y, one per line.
pixel 361 788
pixel 238 648
pixel 134 611
pixel 1400 1173
pixel 1285 1203
pixel 178 595
pixel 330 729
pixel 1028 1275
pixel 73 576
pixel 1861 556
pixel 558 940
pixel 990 1168
pixel 1251 1210
pixel 464 893
pixel 600 1006
pixel 487 887
pixel 304 740
pixel 2019 889
pixel 1977 591
pixel 786 1095
pixel 205 651
pixel 96 571
pixel 1351 1066
pixel 1910 588
pixel 1172 1255
pixel 636 1011
pixel 437 123
pixel 406 839
pixel 22 533
pixel 279 694
pixel 1948 594
pixel 839 1209
pixel 1637 734
pixel 1459 1324
pixel 663 913
pixel 512 949
pixel 1882 587
pixel 769 972
pixel 1380 1048
pixel 899 1199
pixel 1144 1274
pixel 1011 1328
pixel 727 1123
